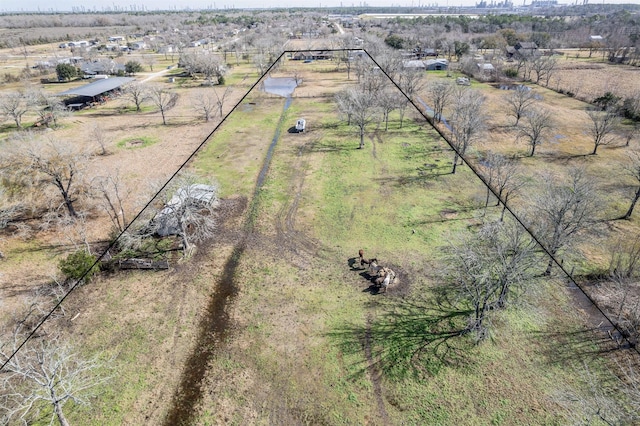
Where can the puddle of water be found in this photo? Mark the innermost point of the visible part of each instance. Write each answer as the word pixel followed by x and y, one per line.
pixel 281 86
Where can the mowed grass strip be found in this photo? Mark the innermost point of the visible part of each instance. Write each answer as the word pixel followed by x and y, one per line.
pixel 397 199
pixel 286 361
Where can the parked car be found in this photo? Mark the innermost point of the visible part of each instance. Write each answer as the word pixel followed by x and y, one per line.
pixel 300 125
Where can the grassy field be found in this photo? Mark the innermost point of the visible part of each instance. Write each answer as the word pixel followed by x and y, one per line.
pixel 313 346
pixel 308 341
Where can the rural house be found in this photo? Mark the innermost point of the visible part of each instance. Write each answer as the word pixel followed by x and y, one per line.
pixel 312 55
pixel 436 64
pixel 522 49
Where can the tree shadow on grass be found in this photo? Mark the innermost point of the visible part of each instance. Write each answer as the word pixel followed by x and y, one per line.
pixel 579 344
pixel 334 146
pixel 411 338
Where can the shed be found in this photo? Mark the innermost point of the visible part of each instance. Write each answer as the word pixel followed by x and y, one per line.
pixel 416 65
pixel 436 64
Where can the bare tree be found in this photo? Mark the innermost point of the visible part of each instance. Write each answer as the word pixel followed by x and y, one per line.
pixel 49 108
pixel 387 99
pixel 360 106
pixel 261 62
pixel 489 269
pixel 467 122
pixel 137 93
pixel 204 104
pixel 549 70
pixel 163 99
pixel 149 60
pixel 14 105
pixel 519 101
pixel 602 126
pixel 536 126
pixel 563 211
pixel 346 56
pixel 633 169
pixel 625 257
pixel 543 67
pixel 595 404
pixel 221 98
pixel 188 211
pixel 111 192
pixel 624 299
pixel 440 94
pixel 210 66
pixel 503 175
pixel 411 81
pixel 47 163
pixel 99 135
pixel 45 372
pixel 631 133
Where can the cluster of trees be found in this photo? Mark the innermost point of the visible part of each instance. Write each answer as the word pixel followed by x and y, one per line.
pixel 534 123
pixel 496 31
pixel 375 96
pixel 14 105
pixel 47 178
pixel 209 65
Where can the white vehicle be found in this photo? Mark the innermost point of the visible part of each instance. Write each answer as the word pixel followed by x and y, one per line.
pixel 300 125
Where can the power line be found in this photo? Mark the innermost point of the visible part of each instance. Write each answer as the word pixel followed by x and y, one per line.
pixel 113 243
pixel 520 221
pixel 197 149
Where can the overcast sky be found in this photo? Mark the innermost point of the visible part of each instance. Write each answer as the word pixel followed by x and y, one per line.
pixel 104 5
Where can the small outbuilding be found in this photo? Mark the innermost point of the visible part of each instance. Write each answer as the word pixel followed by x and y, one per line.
pixel 436 64
pixel 415 64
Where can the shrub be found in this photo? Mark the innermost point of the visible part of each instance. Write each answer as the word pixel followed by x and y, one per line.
pixel 631 108
pixel 511 72
pixel 79 264
pixel 132 67
pixel 66 72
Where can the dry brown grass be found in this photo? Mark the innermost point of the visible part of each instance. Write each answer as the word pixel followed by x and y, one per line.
pixel 588 79
pixel 268 368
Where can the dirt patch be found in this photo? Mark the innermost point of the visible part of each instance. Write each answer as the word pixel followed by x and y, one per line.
pixel 135 142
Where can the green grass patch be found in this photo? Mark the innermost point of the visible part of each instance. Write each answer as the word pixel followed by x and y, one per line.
pixel 235 154
pixel 135 142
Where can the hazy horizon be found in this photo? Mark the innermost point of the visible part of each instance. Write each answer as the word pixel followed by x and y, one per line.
pixel 158 5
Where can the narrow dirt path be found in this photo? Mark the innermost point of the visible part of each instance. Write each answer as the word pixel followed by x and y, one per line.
pixel 288 238
pixel 215 324
pixel 374 375
pixel 373 146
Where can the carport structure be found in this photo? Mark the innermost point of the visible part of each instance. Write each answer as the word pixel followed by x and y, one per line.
pixel 94 92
